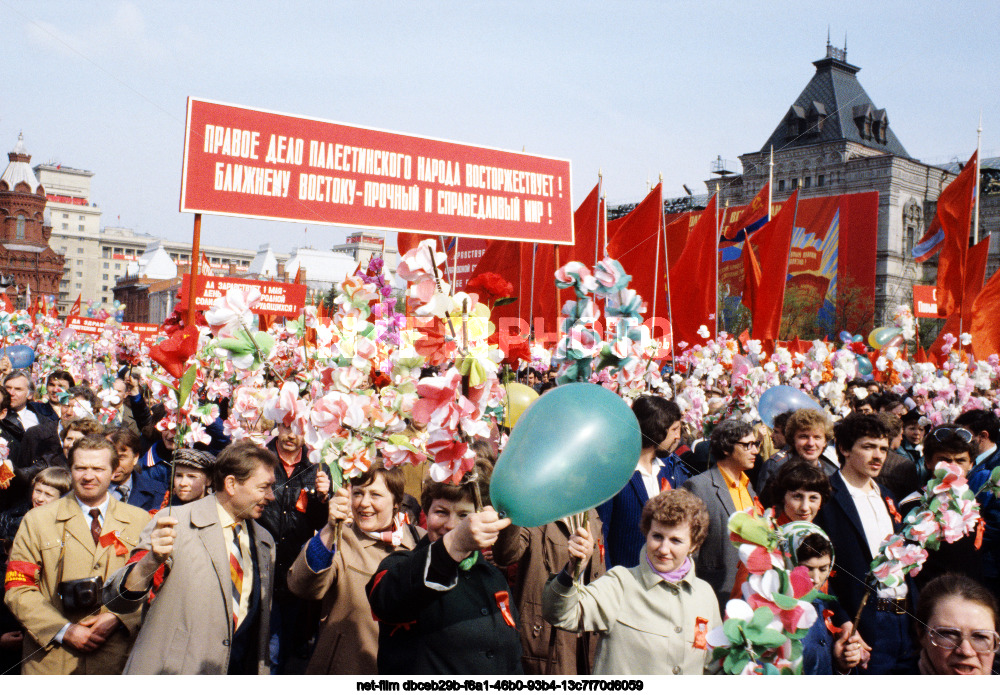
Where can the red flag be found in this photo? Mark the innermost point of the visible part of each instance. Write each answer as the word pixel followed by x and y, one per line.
pixel 751 278
pixel 676 234
pixel 636 241
pixel 693 281
pixel 975 274
pixel 985 327
pixel 75 309
pixel 8 305
pixel 298 275
pixel 755 215
pixel 949 231
pixel 588 224
pixel 774 243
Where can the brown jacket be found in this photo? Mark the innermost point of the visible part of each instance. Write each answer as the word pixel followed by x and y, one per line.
pixel 541 552
pixel 189 625
pixel 347 643
pixel 59 529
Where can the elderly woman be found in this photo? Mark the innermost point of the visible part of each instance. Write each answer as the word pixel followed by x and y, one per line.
pixel 957 627
pixel 807 434
pixel 653 618
pixel 347 642
pixel 443 608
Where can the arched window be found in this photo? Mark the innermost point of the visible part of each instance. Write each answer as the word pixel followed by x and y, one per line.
pixel 20 226
pixel 913 226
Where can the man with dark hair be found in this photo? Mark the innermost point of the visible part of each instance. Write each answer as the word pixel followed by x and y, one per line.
pixel 858 517
pixel 60 556
pixel 57 383
pixel 725 489
pixel 985 429
pixel 657 470
pixel 217 586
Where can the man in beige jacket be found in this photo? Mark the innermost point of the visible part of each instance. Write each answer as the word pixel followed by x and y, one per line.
pixel 62 554
pixel 212 613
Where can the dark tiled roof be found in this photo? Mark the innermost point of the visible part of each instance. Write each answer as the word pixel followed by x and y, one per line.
pixel 835 89
pixel 986 163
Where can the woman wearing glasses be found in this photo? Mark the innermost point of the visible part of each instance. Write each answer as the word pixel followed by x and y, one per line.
pixel 957 627
pixel 725 489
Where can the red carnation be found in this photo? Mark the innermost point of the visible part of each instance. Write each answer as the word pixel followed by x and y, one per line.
pixel 492 285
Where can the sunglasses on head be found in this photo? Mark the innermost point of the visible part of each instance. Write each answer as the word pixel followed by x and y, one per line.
pixel 948 434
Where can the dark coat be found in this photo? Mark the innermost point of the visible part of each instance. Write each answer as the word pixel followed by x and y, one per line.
pixel 539 553
pixel 38 441
pixel 289 527
pixel 620 515
pixel 899 474
pixel 850 579
pixel 465 624
pixel 717 559
pixel 14 426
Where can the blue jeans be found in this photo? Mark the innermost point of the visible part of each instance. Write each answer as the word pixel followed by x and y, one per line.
pixel 889 635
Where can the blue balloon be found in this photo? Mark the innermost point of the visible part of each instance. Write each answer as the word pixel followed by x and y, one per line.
pixel 846 337
pixel 20 356
pixel 782 399
pixel 571 450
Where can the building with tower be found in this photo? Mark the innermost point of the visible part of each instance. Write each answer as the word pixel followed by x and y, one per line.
pixel 26 259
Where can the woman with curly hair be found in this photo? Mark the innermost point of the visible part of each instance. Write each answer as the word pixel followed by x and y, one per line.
pixel 653 618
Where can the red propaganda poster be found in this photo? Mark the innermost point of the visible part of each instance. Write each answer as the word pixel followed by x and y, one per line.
pixel 86 325
pixel 925 301
pixel 251 163
pixel 147 332
pixel 277 298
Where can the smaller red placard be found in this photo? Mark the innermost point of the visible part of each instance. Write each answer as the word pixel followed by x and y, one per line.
pixel 925 301
pixel 147 332
pixel 277 298
pixel 86 325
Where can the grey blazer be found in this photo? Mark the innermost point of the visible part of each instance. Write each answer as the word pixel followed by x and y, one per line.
pixel 189 627
pixel 717 559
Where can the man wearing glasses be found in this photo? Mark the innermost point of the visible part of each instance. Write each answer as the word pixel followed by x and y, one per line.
pixel 953 445
pixel 985 428
pixel 859 516
pixel 725 489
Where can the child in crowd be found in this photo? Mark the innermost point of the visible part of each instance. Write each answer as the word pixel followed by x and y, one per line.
pixel 825 646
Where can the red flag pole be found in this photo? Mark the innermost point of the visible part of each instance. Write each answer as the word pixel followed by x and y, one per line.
pixel 195 262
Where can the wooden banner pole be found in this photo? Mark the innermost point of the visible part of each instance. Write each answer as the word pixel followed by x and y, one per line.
pixel 195 262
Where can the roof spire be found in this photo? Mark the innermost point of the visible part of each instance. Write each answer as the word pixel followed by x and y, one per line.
pixel 827 35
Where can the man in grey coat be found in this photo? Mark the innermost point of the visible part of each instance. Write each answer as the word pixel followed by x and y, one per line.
pixel 725 489
pixel 211 614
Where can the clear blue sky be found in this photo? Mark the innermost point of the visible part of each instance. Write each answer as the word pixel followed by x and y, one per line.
pixel 631 88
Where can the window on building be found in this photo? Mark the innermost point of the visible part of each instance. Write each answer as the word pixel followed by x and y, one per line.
pixel 184 256
pixel 62 249
pixel 105 289
pixel 105 277
pixel 79 274
pixel 65 215
pixel 79 261
pixel 119 251
pixel 106 252
pixel 820 180
pixel 795 183
pixel 106 265
pixel 81 218
pixel 65 226
pixel 808 182
pixel 118 266
pixel 79 250
pixel 79 228
pixel 173 256
pixel 20 226
pixel 77 285
pixel 781 185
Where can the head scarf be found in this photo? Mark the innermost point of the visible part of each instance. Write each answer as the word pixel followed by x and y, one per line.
pixel 792 534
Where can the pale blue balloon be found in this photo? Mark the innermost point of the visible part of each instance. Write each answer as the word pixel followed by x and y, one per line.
pixel 20 356
pixel 571 450
pixel 782 399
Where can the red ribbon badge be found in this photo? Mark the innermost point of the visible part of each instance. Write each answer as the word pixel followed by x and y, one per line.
pixel 980 529
pixel 503 603
pixel 665 485
pixel 758 507
pixel 700 633
pixel 892 510
pixel 300 503
pixel 827 614
pixel 110 538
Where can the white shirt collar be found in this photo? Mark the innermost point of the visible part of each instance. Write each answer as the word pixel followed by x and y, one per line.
pixel 103 506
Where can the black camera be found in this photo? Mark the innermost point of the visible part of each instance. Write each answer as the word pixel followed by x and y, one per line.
pixel 81 594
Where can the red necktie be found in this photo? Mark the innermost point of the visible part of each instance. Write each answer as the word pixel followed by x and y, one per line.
pixel 95 525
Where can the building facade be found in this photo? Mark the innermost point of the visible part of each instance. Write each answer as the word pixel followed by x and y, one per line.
pixel 27 262
pixel 834 140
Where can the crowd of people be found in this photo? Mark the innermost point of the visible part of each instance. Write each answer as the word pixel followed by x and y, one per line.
pixel 126 554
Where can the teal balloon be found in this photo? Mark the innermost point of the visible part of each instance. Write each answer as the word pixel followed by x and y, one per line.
pixel 571 450
pixel 880 336
pixel 783 399
pixel 864 365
